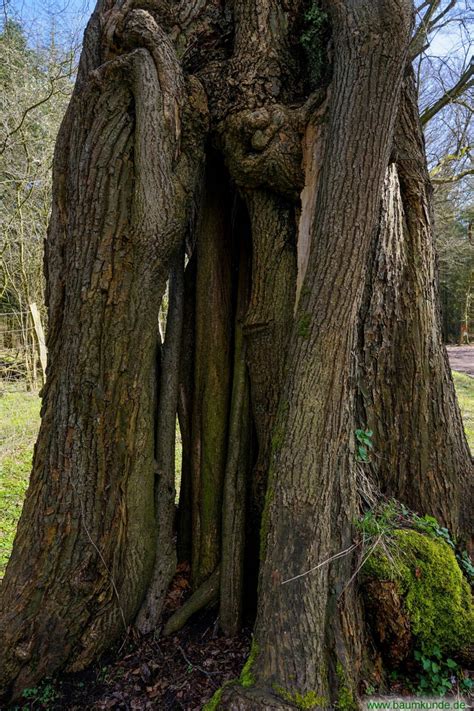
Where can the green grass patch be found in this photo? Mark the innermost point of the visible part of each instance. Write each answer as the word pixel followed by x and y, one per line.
pixel 465 392
pixel 19 422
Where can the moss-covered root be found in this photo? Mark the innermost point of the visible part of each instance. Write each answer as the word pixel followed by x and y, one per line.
pixel 214 703
pixel 436 596
pixel 244 694
pixel 235 697
pixel 311 700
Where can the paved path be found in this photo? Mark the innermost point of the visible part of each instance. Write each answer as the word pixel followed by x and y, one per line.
pixel 461 358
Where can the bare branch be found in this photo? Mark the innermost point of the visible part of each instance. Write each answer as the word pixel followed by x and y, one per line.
pixel 464 83
pixel 453 178
pixel 420 37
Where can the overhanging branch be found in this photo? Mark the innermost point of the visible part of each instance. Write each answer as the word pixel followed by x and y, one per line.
pixel 464 83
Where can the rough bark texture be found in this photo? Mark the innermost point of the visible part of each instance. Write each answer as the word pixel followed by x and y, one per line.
pixel 85 544
pixel 306 637
pixel 406 391
pixel 268 320
pixel 294 181
pixel 165 490
pixel 388 620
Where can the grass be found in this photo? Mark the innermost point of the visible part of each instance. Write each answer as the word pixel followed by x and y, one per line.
pixel 465 392
pixel 19 421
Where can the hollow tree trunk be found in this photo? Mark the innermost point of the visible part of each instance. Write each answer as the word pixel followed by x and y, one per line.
pixel 127 160
pixel 406 391
pixel 306 646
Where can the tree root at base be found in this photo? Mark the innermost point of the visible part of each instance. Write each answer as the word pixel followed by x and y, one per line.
pixel 207 593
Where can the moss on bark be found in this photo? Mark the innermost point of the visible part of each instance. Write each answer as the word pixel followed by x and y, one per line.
pixel 437 597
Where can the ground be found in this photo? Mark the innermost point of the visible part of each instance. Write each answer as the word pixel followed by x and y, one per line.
pixel 461 358
pixel 180 672
pixel 465 392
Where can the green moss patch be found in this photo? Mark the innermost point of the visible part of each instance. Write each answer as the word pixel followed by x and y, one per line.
pixel 247 678
pixel 311 700
pixel 437 596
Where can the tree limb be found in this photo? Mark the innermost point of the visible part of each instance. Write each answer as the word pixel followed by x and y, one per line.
pixel 464 83
pixel 453 178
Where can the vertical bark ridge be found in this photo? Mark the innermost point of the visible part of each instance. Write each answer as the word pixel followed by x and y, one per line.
pixel 421 454
pixel 165 489
pixel 237 470
pixel 311 497
pixel 268 320
pixel 212 374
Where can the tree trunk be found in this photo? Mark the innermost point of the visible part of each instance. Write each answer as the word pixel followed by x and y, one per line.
pixel 294 186
pixel 239 462
pixel 407 394
pixel 85 544
pixel 307 647
pixel 165 487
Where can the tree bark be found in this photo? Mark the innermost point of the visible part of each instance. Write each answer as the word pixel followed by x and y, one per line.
pixel 238 464
pixel 268 320
pixel 165 487
pixel 84 549
pixel 307 644
pixel 406 390
pixel 212 372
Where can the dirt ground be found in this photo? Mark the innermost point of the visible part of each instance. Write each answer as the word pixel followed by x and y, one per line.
pixel 461 358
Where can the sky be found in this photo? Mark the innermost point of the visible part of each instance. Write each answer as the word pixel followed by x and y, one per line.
pixel 69 18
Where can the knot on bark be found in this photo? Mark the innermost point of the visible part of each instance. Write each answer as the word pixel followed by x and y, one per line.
pixel 24 651
pixel 263 149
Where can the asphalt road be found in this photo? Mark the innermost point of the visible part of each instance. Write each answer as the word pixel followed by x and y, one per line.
pixel 461 358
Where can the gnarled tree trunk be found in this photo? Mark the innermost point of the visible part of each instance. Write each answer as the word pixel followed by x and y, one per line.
pixel 308 310
pixel 307 636
pixel 85 544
